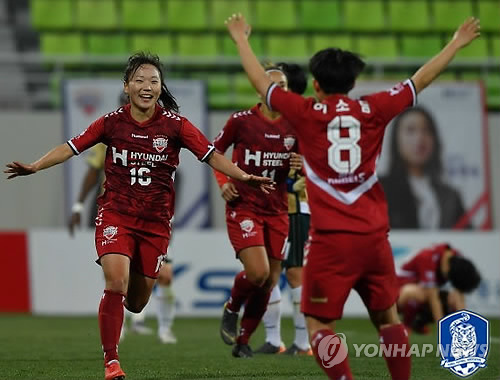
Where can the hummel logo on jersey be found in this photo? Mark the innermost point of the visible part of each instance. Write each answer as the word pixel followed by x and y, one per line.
pixel 171 115
pixel 342 106
pixel 139 136
pixel 242 113
pixel 269 136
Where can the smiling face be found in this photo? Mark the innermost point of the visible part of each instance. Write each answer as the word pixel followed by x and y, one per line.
pixel 415 139
pixel 144 87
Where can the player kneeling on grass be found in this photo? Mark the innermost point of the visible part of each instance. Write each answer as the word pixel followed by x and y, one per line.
pixel 144 140
pixel 340 139
pixel 424 280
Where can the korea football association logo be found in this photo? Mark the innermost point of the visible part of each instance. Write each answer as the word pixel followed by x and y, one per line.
pixel 289 142
pixel 464 340
pixel 160 143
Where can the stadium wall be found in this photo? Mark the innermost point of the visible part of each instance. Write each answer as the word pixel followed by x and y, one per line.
pixel 48 273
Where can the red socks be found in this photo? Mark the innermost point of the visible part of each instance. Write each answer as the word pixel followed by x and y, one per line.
pixel 110 323
pixel 254 310
pixel 399 362
pixel 242 289
pixel 331 355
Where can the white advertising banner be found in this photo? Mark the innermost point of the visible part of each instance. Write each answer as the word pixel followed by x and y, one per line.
pixel 65 279
pixel 85 100
pixel 444 143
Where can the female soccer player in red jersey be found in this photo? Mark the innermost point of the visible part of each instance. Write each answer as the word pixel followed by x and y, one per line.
pixel 341 139
pixel 257 226
pixel 133 222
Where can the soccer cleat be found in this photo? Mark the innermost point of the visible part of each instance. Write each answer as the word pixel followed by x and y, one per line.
pixel 295 350
pixel 140 328
pixel 167 337
pixel 268 348
pixel 242 351
pixel 228 326
pixel 113 371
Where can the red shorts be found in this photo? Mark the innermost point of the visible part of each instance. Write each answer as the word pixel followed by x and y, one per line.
pixel 338 262
pixel 248 229
pixel 144 242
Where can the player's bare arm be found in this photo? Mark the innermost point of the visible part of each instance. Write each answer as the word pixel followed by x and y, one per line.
pixel 220 163
pixel 432 297
pixel 465 34
pixel 240 31
pixel 55 156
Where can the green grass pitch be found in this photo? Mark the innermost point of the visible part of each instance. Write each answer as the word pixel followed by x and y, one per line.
pixel 69 348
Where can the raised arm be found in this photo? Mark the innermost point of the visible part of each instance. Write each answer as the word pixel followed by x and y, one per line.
pixel 465 34
pixel 220 163
pixel 240 31
pixel 55 156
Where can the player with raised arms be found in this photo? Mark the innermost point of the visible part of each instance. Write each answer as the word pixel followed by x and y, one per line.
pixel 263 143
pixel 143 141
pixel 341 139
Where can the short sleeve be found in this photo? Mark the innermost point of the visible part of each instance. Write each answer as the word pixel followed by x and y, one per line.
pixel 226 136
pixel 292 106
pixel 89 137
pixel 392 102
pixel 195 141
pixel 96 156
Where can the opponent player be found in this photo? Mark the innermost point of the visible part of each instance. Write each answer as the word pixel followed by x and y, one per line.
pixel 133 222
pixel 341 139
pixel 257 226
pixel 298 215
pixel 423 296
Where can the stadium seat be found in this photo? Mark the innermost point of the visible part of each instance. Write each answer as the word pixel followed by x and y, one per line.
pixel 107 44
pixel 449 14
pixel 476 50
pixel 229 48
pixel 319 15
pixel 142 15
pixel 61 44
pixel 409 15
pixel 222 9
pixel 489 14
pixel 421 47
pixel 186 15
pixel 364 15
pixel 495 45
pixel 320 42
pixel 91 14
pixel 288 46
pixel 275 15
pixel 377 47
pixel 157 44
pixel 492 82
pixel 51 14
pixel 197 45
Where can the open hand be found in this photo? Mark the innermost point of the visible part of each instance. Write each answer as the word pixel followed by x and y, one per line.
pixel 238 27
pixel 16 169
pixel 264 183
pixel 467 32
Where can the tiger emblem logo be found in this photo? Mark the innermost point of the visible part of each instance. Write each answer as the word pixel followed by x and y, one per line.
pixel 463 342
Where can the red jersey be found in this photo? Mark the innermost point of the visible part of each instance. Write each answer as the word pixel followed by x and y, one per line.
pixel 141 159
pixel 261 147
pixel 425 268
pixel 341 139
